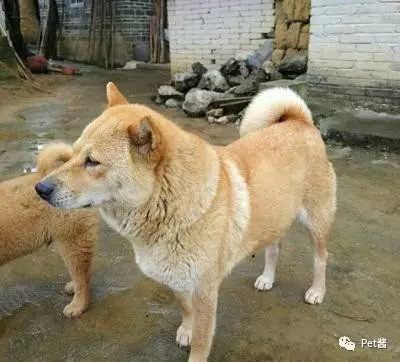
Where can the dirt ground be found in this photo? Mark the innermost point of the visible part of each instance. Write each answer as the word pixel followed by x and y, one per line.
pixel 132 318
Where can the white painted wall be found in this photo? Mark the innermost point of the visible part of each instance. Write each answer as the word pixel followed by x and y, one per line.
pixel 355 42
pixel 216 29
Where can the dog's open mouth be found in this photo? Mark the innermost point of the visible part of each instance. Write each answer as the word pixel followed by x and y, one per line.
pixel 87 205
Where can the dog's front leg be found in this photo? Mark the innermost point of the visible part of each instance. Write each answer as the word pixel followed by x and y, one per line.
pixel 204 307
pixel 184 333
pixel 77 254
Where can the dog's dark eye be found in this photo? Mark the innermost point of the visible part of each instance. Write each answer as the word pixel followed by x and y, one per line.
pixel 89 162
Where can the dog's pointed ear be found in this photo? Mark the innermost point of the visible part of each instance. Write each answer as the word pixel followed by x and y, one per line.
pixel 144 136
pixel 114 96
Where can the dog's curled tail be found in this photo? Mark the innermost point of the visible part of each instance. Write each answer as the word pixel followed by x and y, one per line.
pixel 272 106
pixel 51 154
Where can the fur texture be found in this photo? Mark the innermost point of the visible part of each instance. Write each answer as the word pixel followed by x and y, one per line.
pixel 272 106
pixel 27 223
pixel 191 210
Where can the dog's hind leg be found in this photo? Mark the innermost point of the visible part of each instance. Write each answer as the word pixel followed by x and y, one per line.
pixel 184 333
pixel 266 280
pixel 316 293
pixel 318 216
pixel 77 252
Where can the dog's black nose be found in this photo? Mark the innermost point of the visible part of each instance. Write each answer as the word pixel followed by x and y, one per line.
pixel 44 189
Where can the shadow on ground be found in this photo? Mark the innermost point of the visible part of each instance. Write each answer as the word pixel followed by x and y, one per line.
pixel 133 319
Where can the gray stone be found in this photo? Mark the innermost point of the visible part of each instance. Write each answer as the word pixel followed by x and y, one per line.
pixel 168 91
pixel 248 88
pixel 302 77
pixel 268 66
pixel 275 75
pixel 294 65
pixel 231 90
pixel 270 70
pixel 243 69
pixel 173 103
pixel 246 84
pixel 226 119
pixel 199 69
pixel 211 119
pixel 251 85
pixel 259 75
pixel 197 101
pixel 234 80
pixel 213 80
pixel 222 120
pixel 216 112
pixel 158 99
pixel 253 61
pixel 256 59
pixel 185 81
pixel 231 66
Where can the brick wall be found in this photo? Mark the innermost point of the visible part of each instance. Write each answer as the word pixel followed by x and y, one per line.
pixel 131 27
pixel 355 43
pixel 211 31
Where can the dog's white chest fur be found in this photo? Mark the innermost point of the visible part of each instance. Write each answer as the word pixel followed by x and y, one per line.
pixel 166 268
pixel 159 262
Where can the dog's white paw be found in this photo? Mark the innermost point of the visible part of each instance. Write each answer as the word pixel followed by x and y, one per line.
pixel 74 309
pixel 263 283
pixel 70 288
pixel 183 336
pixel 314 296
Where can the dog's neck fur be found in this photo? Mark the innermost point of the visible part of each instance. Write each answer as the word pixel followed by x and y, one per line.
pixel 160 220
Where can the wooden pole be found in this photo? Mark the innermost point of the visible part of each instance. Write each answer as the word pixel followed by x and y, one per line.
pixel 152 38
pixel 104 48
pixel 92 30
pixel 112 15
pixel 44 31
pixel 161 34
pixel 101 40
pixel 157 32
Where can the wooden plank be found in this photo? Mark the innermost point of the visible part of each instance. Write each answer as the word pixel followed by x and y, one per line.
pixel 233 107
pixel 233 99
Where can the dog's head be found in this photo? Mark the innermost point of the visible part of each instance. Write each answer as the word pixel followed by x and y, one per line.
pixel 115 157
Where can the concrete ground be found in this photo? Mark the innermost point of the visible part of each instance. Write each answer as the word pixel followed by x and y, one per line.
pixel 132 318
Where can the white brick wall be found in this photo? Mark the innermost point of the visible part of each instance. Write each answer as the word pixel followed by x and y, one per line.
pixel 355 43
pixel 214 30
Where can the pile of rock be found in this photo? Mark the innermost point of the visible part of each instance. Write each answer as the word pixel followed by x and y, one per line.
pixel 201 91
